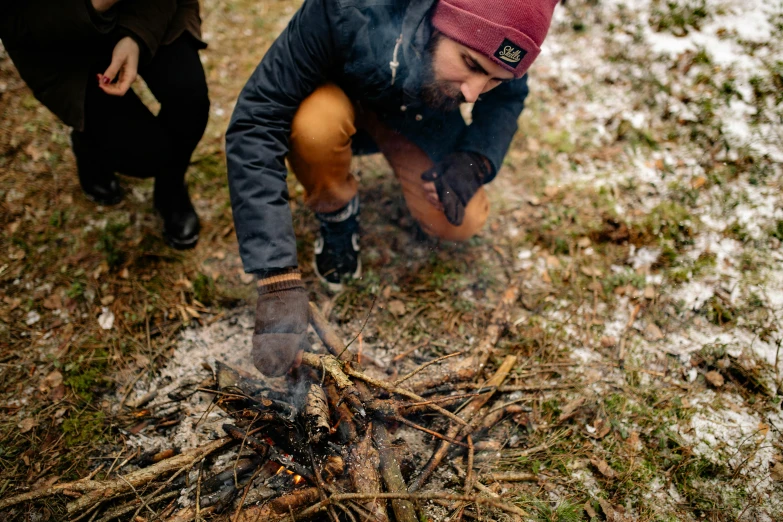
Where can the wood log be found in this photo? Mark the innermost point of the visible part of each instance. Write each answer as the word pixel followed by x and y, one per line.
pixel 404 510
pixel 328 336
pixel 363 463
pixel 342 418
pixel 111 488
pixel 284 505
pixel 316 413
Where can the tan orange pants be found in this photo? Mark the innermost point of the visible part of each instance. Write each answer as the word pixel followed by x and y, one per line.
pixel 320 156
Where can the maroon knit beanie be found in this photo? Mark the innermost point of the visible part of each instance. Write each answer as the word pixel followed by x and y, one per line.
pixel 509 32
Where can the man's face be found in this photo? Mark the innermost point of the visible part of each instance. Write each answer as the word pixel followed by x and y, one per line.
pixel 455 74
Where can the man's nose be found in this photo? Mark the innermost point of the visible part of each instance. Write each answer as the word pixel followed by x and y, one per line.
pixel 472 88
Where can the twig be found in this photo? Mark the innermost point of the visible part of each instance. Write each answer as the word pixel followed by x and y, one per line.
pixel 467 413
pixel 509 508
pixel 423 366
pixel 235 518
pixel 510 477
pixel 400 391
pixel 127 508
pixel 96 492
pixel 319 483
pixel 470 479
pixel 408 320
pixel 435 434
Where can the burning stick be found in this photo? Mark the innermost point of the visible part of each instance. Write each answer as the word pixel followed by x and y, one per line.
pixel 316 413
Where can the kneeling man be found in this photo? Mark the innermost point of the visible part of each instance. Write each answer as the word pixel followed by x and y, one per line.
pixel 364 76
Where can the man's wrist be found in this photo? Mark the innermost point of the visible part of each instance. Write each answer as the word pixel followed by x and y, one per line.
pixel 275 280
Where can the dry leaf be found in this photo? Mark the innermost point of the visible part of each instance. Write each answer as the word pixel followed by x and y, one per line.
pixel 142 361
pixel 603 467
pixel 608 342
pixel 584 242
pixel 571 408
pixel 247 278
pixel 553 262
pixel 193 312
pixel 107 300
pixel 125 273
pixel 53 302
pixel 649 292
pixel 633 442
pixel 589 510
pixel 27 424
pixel 397 307
pixel 611 513
pixel 52 380
pixel 698 182
pixel 601 428
pixel 777 472
pixel 534 201
pixel 653 333
pixel 13 304
pixel 714 378
pixel 590 271
pixel 58 392
pixel 551 191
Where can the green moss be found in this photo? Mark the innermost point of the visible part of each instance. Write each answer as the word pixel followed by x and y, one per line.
pixel 109 243
pixel 83 428
pixel 204 289
pixel 670 221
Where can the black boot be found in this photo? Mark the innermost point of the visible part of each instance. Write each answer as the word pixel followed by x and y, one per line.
pixel 180 221
pixel 97 180
pixel 337 246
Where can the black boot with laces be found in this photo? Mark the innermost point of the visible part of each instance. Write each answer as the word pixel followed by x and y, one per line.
pixel 337 246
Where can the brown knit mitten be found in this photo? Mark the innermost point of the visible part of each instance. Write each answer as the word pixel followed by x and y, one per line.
pixel 280 334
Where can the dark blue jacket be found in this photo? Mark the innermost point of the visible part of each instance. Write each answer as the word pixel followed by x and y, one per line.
pixel 349 43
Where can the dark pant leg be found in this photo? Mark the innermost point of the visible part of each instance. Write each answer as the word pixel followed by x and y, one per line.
pixel 122 134
pixel 176 78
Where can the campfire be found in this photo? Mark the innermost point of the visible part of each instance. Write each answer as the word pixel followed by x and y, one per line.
pixel 323 448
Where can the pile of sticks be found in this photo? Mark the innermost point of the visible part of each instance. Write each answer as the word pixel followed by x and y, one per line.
pixel 326 452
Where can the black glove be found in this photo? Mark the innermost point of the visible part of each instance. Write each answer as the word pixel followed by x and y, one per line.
pixel 457 179
pixel 281 323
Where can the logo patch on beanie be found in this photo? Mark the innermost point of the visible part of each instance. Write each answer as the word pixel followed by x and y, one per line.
pixel 510 53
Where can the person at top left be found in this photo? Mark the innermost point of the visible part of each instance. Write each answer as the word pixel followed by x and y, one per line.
pixel 80 58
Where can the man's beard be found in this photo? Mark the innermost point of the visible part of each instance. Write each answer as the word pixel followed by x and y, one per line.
pixel 436 94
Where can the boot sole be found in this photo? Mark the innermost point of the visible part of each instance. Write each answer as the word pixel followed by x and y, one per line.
pixel 179 244
pixel 337 287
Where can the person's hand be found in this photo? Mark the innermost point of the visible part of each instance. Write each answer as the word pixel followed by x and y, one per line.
pixel 454 181
pixel 103 5
pixel 280 334
pixel 124 67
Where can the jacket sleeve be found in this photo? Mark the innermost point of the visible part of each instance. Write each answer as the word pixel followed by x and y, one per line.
pixel 257 140
pixel 41 23
pixel 147 21
pixel 495 122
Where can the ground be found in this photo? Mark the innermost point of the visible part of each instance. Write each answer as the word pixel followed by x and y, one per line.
pixel 639 212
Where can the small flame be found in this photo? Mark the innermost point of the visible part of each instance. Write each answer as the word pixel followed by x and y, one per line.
pixel 297 478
